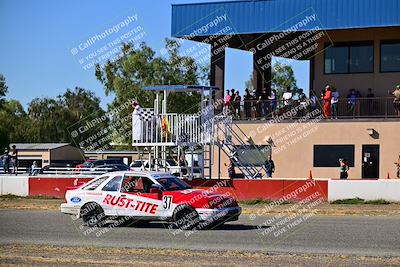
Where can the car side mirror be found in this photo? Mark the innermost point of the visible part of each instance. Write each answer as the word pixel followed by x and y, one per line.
pixel 156 189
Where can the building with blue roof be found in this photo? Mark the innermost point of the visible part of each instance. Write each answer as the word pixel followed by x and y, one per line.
pixel 349 43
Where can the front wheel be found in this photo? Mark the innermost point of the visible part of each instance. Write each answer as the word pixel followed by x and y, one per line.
pixel 92 214
pixel 186 218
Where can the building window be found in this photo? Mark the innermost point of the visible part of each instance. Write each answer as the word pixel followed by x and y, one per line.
pixel 336 60
pixel 329 155
pixel 390 56
pixel 355 58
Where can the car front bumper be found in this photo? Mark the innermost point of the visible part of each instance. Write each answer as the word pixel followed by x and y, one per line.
pixel 226 214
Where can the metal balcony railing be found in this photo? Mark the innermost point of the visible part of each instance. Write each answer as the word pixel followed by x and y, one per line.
pixel 170 129
pixel 372 107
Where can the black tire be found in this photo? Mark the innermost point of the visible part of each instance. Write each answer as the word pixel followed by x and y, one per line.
pixel 186 218
pixel 92 214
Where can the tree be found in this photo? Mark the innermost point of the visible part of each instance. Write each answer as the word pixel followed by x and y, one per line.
pixel 4 138
pixel 282 78
pixel 13 123
pixel 3 89
pixel 249 83
pixel 53 120
pixel 135 68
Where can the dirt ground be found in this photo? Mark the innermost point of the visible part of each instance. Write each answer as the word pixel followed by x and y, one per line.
pixel 320 209
pixel 44 255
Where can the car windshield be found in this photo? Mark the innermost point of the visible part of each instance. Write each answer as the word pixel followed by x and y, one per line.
pixel 173 183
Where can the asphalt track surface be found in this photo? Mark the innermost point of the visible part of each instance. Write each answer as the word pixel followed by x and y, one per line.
pixel 341 235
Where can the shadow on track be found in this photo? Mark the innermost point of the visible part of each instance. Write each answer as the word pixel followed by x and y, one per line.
pixel 166 225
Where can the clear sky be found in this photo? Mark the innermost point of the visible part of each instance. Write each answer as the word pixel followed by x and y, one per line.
pixel 38 40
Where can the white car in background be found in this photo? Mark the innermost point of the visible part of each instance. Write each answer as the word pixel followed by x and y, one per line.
pixel 169 166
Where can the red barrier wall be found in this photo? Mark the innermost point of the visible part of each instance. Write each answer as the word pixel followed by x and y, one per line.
pixel 241 189
pixel 266 189
pixel 54 187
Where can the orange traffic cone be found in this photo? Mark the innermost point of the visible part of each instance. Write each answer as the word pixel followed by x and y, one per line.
pixel 310 175
pixel 388 176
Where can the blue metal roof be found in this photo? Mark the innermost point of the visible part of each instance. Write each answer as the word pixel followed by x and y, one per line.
pixel 262 16
pixel 179 88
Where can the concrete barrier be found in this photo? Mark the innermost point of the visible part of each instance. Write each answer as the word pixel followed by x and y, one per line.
pixel 14 185
pixel 366 189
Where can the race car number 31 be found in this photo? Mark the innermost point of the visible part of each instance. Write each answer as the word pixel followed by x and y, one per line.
pixel 167 201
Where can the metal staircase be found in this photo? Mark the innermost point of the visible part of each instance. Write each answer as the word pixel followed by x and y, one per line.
pixel 231 142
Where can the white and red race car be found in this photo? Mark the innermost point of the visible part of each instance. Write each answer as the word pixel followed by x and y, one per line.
pixel 148 196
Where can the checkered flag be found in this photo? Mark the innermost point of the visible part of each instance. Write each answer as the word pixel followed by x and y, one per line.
pixel 146 114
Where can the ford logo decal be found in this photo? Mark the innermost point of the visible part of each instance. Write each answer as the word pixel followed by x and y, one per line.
pixel 75 200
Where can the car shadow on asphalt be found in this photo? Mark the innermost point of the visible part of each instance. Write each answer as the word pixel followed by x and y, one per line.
pixel 224 227
pixel 239 227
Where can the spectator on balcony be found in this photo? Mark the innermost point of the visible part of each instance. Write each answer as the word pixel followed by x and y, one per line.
pixel 396 100
pixel 232 106
pixel 236 104
pixel 370 94
pixel 257 103
pixel 247 103
pixel 264 102
pixel 269 166
pixel 273 100
pixel 351 102
pixel 303 103
pixel 314 101
pixel 227 102
pixel 287 99
pixel 327 97
pixel 334 103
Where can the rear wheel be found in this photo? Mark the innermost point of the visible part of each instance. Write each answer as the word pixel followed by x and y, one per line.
pixel 92 214
pixel 186 218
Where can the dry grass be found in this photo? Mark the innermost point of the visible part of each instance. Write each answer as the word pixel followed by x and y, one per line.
pixel 44 255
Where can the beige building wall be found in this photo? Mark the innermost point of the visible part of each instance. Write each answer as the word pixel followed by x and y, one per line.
pixel 381 83
pixel 296 160
pixel 44 155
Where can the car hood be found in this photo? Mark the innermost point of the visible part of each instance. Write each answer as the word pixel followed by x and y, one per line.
pixel 199 198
